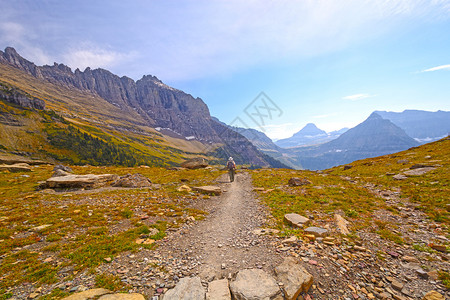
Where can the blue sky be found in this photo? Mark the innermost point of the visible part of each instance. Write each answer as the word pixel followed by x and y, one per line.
pixel 327 62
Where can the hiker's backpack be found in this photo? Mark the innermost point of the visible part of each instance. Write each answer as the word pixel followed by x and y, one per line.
pixel 230 165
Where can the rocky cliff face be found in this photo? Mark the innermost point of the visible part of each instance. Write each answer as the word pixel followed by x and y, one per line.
pixel 17 97
pixel 159 104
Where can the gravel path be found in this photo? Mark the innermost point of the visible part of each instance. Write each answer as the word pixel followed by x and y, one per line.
pixel 224 242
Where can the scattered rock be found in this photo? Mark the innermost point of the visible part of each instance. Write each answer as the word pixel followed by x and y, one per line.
pixel 317 231
pixel 195 163
pixel 63 168
pixel 133 181
pixel 292 240
pixel 397 285
pixel 263 231
pixel 40 228
pixel 186 289
pixel 184 188
pixel 400 177
pixel 296 181
pixel 433 295
pixel 440 248
pixel 253 284
pixel 421 273
pixel 294 277
pixel 89 294
pixel 347 167
pixel 342 224
pixel 19 167
pixel 402 161
pixel 409 258
pixel 296 220
pixel 208 189
pixel 218 290
pixel 60 172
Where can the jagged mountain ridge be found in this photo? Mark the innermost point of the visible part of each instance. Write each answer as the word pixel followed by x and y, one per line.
pixel 423 126
pixel 157 104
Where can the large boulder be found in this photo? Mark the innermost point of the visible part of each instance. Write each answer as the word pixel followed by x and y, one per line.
pixel 296 220
pixel 252 284
pixel 195 163
pixel 89 181
pixel 186 289
pixel 295 181
pixel 19 167
pixel 133 181
pixel 294 277
pixel 218 290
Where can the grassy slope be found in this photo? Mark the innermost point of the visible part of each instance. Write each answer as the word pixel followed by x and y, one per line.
pixel 351 191
pixel 88 113
pixel 81 232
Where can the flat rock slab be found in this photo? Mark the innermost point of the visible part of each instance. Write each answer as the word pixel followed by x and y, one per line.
pixel 400 177
pixel 186 289
pixel 19 167
pixel 218 290
pixel 294 277
pixel 317 231
pixel 418 171
pixel 89 294
pixel 89 181
pixel 122 296
pixel 296 220
pixel 11 160
pixel 208 189
pixel 252 284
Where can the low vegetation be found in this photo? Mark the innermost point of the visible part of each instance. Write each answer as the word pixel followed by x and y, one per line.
pixel 45 235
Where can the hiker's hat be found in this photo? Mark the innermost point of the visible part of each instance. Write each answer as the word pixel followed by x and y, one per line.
pixel 230 158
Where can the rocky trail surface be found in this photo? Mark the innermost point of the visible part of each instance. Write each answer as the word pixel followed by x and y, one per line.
pixel 225 241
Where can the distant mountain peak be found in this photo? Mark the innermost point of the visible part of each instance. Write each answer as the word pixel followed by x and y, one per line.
pixel 374 116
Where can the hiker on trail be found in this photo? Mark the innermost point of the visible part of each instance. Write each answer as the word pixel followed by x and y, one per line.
pixel 231 166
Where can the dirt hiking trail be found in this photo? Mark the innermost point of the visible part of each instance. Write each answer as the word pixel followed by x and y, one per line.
pixel 224 242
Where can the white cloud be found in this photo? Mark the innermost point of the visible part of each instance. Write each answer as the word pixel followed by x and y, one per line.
pixel 357 97
pixel 279 131
pixel 438 68
pixel 94 57
pixel 239 34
